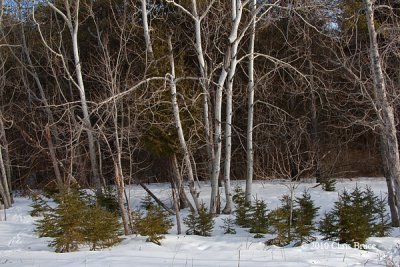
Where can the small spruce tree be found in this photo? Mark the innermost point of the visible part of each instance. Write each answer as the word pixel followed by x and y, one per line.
pixel 205 222
pixel 328 184
pixel 294 221
pixel 108 200
pixel 201 223
pixel 355 217
pixel 279 220
pixel 76 221
pixel 154 224
pixel 64 223
pixel 242 207
pixel 228 226
pixel 39 205
pixel 102 228
pixel 306 212
pixel 191 223
pixel 147 202
pixel 259 221
pixel 382 226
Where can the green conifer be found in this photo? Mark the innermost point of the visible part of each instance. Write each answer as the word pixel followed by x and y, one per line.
pixel 355 217
pixel 382 226
pixel 279 220
pixel 242 207
pixel 39 205
pixel 228 226
pixel 305 214
pixel 328 184
pixel 102 228
pixel 201 223
pixel 259 221
pixel 108 200
pixel 191 223
pixel 154 224
pixel 64 223
pixel 76 221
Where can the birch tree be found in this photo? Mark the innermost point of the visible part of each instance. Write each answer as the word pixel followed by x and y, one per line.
pixel 250 107
pixel 71 19
pixel 146 31
pixel 178 125
pixel 384 108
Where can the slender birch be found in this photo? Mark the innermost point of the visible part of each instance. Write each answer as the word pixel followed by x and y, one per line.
pixel 178 125
pixel 146 31
pixel 237 10
pixel 385 110
pixel 72 22
pixel 250 107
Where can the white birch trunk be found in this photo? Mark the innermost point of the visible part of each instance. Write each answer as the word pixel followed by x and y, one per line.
pixel 250 108
pixel 73 25
pixel 203 83
pixel 147 39
pixel 236 17
pixel 217 140
pixel 389 143
pixel 178 124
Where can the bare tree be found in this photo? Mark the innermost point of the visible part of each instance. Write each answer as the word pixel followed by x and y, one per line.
pixel 71 19
pixel 250 106
pixel 178 123
pixel 384 108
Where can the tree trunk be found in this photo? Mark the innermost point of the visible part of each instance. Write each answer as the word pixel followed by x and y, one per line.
pixel 149 47
pixel 6 156
pixel 178 124
pixel 54 161
pixel 178 183
pixel 72 21
pixel 119 180
pixel 236 17
pixel 204 85
pixel 388 138
pixel 250 108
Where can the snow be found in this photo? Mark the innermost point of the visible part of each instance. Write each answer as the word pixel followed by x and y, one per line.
pixel 20 246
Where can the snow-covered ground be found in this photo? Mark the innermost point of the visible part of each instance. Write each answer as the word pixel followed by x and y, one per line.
pixel 19 245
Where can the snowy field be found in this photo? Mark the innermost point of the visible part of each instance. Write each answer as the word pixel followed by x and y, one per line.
pixel 19 246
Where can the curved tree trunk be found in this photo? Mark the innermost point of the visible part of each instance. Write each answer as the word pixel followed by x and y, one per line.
pixel 388 138
pixel 178 124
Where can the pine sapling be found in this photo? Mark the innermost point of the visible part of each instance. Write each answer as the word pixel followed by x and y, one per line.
pixel 259 221
pixel 228 226
pixel 205 222
pixel 242 207
pixel 306 212
pixel 191 223
pixel 154 224
pixel 382 226
pixel 39 205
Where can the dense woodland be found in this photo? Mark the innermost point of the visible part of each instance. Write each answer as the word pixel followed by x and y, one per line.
pixel 115 92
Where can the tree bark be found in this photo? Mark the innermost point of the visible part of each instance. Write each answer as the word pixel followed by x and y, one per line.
pixel 149 47
pixel 250 108
pixel 388 138
pixel 178 125
pixel 72 22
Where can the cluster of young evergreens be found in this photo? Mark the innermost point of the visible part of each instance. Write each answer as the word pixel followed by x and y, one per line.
pixel 77 219
pixel 356 216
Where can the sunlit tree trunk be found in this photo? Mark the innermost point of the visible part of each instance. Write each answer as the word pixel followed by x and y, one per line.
pixel 250 108
pixel 178 125
pixel 388 138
